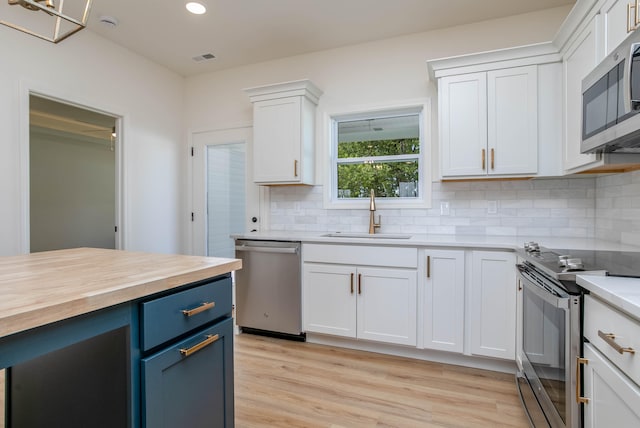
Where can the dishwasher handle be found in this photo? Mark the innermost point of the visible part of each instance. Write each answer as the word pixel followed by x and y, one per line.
pixel 280 250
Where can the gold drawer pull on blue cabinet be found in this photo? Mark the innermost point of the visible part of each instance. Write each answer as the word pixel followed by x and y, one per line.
pixel 210 338
pixel 203 307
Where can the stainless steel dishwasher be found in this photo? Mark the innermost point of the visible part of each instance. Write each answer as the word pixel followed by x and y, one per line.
pixel 268 288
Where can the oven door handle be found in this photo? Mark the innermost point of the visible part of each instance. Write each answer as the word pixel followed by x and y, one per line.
pixel 547 296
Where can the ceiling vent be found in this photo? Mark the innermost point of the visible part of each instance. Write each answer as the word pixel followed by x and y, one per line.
pixel 204 57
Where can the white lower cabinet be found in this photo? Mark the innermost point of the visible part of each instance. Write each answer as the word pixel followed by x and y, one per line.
pixel 614 400
pixel 453 300
pixel 492 304
pixel 443 300
pixel 361 302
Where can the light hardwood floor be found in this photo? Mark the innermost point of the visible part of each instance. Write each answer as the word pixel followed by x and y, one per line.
pixel 290 384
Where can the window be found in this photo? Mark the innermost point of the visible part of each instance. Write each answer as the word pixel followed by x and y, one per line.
pixel 382 150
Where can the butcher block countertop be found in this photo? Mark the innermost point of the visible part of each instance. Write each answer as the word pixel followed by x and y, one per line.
pixel 41 288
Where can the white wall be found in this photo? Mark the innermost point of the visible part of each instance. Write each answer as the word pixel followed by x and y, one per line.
pixel 371 74
pixel 72 192
pixel 91 71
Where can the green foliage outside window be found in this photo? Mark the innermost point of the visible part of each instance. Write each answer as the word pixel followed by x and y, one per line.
pixel 390 168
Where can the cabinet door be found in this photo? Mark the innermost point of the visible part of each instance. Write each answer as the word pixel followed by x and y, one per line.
pixel 579 60
pixel 613 399
pixel 387 305
pixel 330 299
pixel 614 16
pixel 443 304
pixel 463 124
pixel 277 140
pixel 493 304
pixel 194 390
pixel 512 120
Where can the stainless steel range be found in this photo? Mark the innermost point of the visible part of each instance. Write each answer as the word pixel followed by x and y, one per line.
pixel 549 380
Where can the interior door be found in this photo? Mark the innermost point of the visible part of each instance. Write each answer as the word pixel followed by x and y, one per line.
pixel 225 199
pixel 73 176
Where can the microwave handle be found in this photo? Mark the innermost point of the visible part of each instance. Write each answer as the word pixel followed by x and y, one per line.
pixel 629 71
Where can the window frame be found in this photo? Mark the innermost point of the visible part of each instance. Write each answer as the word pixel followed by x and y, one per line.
pixel 425 162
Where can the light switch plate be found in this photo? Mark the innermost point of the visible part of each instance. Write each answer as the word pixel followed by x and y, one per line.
pixel 444 208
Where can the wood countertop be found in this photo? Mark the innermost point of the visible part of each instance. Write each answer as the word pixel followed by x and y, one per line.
pixel 41 288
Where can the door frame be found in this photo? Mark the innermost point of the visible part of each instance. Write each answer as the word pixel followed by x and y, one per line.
pixel 28 88
pixel 196 208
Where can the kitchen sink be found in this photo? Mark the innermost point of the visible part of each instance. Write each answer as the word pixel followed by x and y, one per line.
pixel 366 235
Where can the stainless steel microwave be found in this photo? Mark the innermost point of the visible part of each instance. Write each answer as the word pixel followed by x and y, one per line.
pixel 611 102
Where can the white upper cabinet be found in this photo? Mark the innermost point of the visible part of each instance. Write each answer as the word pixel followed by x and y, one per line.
pixel 283 132
pixel 598 28
pixel 463 124
pixel 498 113
pixel 616 23
pixel 489 123
pixel 513 121
pixel 581 57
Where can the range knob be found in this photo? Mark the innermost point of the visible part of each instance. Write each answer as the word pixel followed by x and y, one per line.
pixel 531 247
pixel 562 260
pixel 575 264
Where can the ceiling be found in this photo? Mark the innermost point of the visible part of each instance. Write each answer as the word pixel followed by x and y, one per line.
pixel 56 117
pixel 240 32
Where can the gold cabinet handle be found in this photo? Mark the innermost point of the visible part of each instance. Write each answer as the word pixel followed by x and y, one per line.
pixel 209 339
pixel 579 398
pixel 492 159
pixel 359 283
pixel 295 168
pixel 633 19
pixel 205 306
pixel 351 282
pixel 428 266
pixel 483 159
pixel 610 338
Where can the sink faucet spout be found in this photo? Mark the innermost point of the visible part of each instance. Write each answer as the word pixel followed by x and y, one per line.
pixel 372 209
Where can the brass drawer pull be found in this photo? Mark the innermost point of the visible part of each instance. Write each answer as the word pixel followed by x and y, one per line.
pixel 351 282
pixel 483 159
pixel 493 159
pixel 428 266
pixel 295 168
pixel 359 283
pixel 610 338
pixel 580 399
pixel 210 338
pixel 203 307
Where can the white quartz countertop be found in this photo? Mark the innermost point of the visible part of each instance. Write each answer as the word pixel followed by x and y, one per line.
pixel 621 292
pixel 465 241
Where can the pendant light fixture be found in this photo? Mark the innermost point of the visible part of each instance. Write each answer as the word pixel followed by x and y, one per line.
pixel 51 20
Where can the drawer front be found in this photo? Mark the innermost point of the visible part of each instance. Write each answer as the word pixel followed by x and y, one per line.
pixel 363 255
pixel 171 316
pixel 600 318
pixel 193 390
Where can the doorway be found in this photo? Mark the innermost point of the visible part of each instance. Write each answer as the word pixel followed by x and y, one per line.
pixel 72 176
pixel 225 199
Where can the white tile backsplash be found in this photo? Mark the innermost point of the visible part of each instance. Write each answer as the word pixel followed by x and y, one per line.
pixel 605 207
pixel 549 207
pixel 617 208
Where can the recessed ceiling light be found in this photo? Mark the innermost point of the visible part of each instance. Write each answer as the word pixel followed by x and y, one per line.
pixel 196 8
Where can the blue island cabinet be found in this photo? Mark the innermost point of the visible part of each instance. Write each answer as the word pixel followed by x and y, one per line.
pixel 187 364
pixel 165 360
pixel 190 384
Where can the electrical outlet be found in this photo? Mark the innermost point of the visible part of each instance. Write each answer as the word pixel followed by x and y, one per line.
pixel 492 207
pixel 444 208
